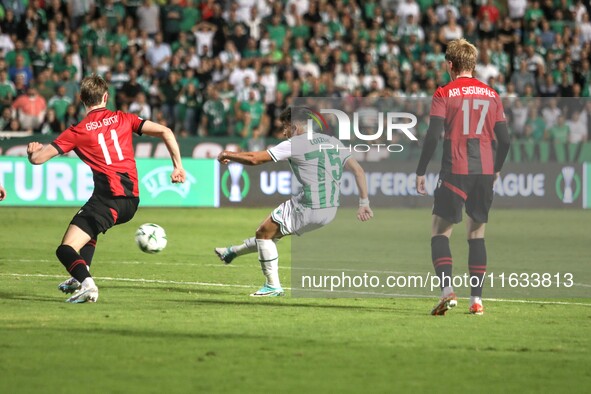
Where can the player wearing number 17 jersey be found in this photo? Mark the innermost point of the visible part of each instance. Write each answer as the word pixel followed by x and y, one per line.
pixel 317 164
pixel 102 140
pixel 475 145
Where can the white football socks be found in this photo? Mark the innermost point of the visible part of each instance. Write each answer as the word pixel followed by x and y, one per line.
pixel 475 300
pixel 269 259
pixel 248 246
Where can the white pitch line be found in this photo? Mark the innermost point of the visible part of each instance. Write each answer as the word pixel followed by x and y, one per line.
pixel 138 280
pixel 536 302
pixel 225 266
pixel 250 266
pixel 159 281
pixel 132 262
pixel 28 261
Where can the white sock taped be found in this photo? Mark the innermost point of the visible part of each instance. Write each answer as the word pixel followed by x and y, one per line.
pixel 269 259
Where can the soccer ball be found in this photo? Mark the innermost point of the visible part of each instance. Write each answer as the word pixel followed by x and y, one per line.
pixel 151 238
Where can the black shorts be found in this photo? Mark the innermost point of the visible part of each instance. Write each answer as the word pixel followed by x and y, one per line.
pixel 453 191
pixel 100 214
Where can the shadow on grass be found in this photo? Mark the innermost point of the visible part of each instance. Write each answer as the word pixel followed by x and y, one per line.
pixel 163 288
pixel 275 302
pixel 287 303
pixel 192 294
pixel 4 295
pixel 190 333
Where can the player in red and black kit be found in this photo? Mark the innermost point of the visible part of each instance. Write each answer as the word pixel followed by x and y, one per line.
pixel 475 145
pixel 103 140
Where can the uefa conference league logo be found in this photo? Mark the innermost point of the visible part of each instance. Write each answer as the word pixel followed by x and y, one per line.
pixel 567 194
pixel 235 172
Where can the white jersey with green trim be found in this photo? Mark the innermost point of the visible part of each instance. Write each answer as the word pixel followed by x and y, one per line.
pixel 317 163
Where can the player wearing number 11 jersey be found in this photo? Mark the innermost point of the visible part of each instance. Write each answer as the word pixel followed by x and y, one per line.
pixel 318 165
pixel 103 140
pixel 475 145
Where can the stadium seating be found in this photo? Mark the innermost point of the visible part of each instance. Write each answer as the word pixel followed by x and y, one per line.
pixel 226 68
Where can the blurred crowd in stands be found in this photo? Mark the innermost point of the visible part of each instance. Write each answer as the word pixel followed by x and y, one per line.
pixel 227 68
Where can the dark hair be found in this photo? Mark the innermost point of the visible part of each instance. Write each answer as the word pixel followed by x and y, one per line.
pixel 92 90
pixel 295 114
pixel 285 115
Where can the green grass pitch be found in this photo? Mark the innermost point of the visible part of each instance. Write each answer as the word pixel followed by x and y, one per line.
pixel 180 321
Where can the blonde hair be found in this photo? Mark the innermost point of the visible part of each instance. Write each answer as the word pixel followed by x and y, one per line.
pixel 92 90
pixel 462 55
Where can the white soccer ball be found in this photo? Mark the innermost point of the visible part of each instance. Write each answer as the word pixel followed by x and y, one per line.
pixel 151 238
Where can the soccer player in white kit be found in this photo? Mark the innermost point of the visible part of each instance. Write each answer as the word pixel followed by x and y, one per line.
pixel 317 164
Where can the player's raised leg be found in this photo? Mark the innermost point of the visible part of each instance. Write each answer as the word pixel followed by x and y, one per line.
pixel 74 239
pixel 442 262
pixel 476 264
pixel 227 254
pixel 269 258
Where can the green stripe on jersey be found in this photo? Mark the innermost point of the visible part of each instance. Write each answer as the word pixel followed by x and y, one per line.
pixel 272 156
pixel 318 169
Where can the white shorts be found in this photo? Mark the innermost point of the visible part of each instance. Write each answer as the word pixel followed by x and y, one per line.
pixel 293 218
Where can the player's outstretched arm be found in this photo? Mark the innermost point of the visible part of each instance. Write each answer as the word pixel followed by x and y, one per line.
pixel 157 130
pixel 247 158
pixel 39 153
pixel 503 144
pixel 429 146
pixel 2 193
pixel 364 213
